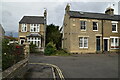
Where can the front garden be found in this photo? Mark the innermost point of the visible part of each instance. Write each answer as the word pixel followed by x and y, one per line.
pixel 11 54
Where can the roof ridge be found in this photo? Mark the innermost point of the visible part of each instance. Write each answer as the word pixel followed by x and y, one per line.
pixel 94 13
pixel 33 16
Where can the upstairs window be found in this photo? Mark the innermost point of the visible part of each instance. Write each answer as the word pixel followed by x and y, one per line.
pixel 83 25
pixel 114 26
pixel 95 26
pixel 24 28
pixel 34 28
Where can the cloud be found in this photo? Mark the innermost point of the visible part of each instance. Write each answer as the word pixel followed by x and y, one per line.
pixel 14 11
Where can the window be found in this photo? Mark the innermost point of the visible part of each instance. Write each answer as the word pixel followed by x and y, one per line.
pixel 114 27
pixel 95 26
pixel 83 25
pixel 34 40
pixel 114 43
pixel 34 28
pixel 24 28
pixel 83 43
pixel 22 41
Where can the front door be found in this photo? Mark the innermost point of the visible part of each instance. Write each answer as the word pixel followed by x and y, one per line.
pixel 98 43
pixel 105 44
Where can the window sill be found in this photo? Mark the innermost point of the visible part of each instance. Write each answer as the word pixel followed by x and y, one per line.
pixel 83 30
pixel 114 32
pixel 23 31
pixel 95 30
pixel 115 48
pixel 83 47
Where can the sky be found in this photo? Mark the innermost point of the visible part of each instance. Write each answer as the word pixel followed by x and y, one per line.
pixel 12 11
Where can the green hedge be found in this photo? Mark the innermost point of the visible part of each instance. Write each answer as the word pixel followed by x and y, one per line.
pixel 11 54
pixel 50 48
pixel 32 48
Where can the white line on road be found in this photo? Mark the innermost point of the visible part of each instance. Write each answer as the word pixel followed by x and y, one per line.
pixel 53 73
pixel 57 68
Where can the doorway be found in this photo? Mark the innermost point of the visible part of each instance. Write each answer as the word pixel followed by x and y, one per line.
pixel 105 44
pixel 98 43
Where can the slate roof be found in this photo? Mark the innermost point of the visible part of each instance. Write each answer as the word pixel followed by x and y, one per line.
pixel 89 15
pixel 32 20
pixel 34 35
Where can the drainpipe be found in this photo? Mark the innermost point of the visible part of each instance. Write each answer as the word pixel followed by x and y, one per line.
pixel 102 36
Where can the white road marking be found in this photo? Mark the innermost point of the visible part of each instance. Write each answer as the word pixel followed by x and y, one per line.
pixel 53 73
pixel 57 68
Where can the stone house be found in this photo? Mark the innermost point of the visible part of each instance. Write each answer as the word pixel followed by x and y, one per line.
pixel 87 32
pixel 32 29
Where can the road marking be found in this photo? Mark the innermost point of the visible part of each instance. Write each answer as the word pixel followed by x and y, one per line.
pixel 53 74
pixel 57 68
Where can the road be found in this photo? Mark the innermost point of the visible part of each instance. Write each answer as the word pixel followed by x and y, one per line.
pixel 82 66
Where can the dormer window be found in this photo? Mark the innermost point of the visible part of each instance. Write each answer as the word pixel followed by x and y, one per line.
pixel 24 28
pixel 114 26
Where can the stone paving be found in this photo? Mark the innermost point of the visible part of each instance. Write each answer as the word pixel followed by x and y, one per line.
pixel 39 71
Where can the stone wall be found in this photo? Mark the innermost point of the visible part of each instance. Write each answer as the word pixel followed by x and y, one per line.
pixel 16 71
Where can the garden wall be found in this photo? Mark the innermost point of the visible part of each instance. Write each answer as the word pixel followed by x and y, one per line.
pixel 16 71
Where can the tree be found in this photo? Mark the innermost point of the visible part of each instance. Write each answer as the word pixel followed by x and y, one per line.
pixel 53 35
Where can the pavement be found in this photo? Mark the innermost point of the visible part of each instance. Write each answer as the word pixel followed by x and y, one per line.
pixel 81 66
pixel 38 71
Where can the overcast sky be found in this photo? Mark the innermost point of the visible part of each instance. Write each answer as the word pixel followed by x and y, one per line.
pixel 12 12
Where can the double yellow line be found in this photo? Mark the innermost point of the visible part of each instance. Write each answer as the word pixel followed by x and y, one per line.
pixel 56 67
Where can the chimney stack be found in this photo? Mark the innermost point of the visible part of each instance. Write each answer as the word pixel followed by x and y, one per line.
pixel 67 8
pixel 45 13
pixel 109 11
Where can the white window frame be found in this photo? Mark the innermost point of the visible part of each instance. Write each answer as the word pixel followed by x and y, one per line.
pixel 36 26
pixel 115 23
pixel 114 43
pixel 35 39
pixel 83 25
pixel 83 42
pixel 21 40
pixel 23 27
pixel 97 26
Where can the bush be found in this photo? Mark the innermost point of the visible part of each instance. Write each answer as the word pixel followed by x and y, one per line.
pixel 61 53
pixel 50 49
pixel 11 54
pixel 32 48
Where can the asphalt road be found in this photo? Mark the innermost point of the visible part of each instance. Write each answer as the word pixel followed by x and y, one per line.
pixel 82 66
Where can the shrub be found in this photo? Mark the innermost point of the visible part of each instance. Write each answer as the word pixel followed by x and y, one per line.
pixel 50 48
pixel 61 53
pixel 32 48
pixel 11 54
